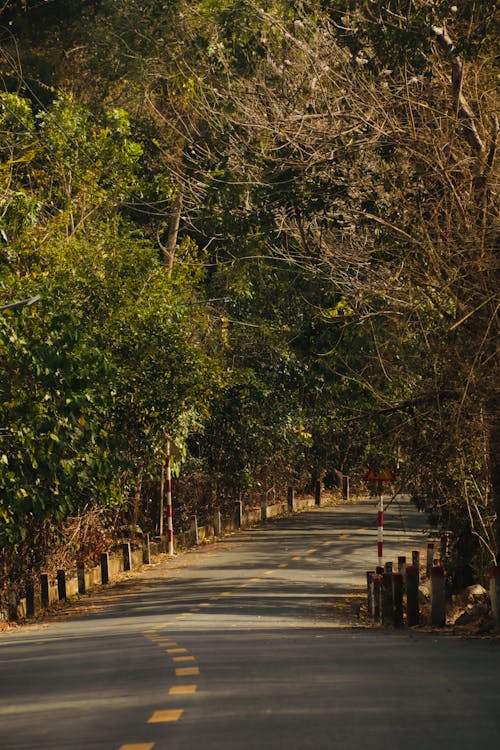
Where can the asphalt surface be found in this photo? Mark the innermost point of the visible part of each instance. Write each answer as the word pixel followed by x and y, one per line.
pixel 243 645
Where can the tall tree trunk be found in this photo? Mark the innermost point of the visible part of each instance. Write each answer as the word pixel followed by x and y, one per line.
pixel 173 231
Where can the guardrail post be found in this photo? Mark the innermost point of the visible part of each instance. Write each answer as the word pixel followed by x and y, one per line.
pixel 317 492
pixel 263 508
pixel 127 556
pixel 291 499
pixel 30 598
pixel 239 514
pixel 377 596
pixel 345 487
pixel 61 585
pixel 44 590
pixel 146 550
pixel 430 558
pixel 397 592
pixel 370 593
pixel 80 574
pixel 387 599
pixel 12 605
pixel 194 529
pixel 217 523
pixel 105 567
pixel 412 606
pixel 495 594
pixel 438 596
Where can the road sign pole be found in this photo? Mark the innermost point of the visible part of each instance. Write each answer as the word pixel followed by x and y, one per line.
pixel 170 523
pixel 380 525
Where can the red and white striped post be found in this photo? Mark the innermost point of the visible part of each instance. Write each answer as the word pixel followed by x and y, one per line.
pixel 380 476
pixel 380 525
pixel 170 523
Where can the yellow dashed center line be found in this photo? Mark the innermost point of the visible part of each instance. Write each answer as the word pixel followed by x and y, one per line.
pixel 186 671
pixel 269 572
pixel 183 689
pixel 226 593
pixel 255 580
pixel 140 746
pixel 163 716
pixel 327 544
pixel 177 650
pixel 205 604
pixel 183 658
pixel 311 551
pixel 297 557
pixel 283 565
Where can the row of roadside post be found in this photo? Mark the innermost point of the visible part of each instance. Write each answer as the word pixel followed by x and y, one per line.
pixel 388 588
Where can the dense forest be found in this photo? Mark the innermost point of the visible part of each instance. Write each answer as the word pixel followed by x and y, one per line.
pixel 266 228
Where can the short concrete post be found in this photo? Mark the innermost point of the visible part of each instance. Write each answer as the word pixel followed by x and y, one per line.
pixel 369 586
pixel 377 597
pixel 495 594
pixel 146 550
pixel 412 605
pixel 105 567
pixel 387 599
pixel 263 508
pixel 217 523
pixel 345 487
pixel 30 598
pixel 44 590
pixel 402 565
pixel 239 514
pixel 397 591
pixel 12 605
pixel 388 567
pixel 415 560
pixel 61 585
pixel 194 529
pixel 80 574
pixel 430 558
pixel 291 499
pixel 127 556
pixel 438 597
pixel 317 492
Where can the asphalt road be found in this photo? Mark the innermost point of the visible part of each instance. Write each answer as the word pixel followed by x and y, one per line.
pixel 243 645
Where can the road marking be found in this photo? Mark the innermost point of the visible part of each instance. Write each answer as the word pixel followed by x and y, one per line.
pixel 297 557
pixel 226 593
pixel 283 565
pixel 160 717
pixel 255 580
pixel 344 536
pixel 214 598
pixel 311 551
pixel 327 544
pixel 186 671
pixel 269 572
pixel 242 585
pixel 183 689
pixel 177 650
pixel 183 658
pixel 205 604
pixel 141 746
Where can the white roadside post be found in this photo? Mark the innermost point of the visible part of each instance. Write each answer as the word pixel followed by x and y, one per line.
pixel 170 524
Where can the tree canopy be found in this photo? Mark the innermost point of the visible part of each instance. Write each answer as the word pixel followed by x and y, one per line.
pixel 267 228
